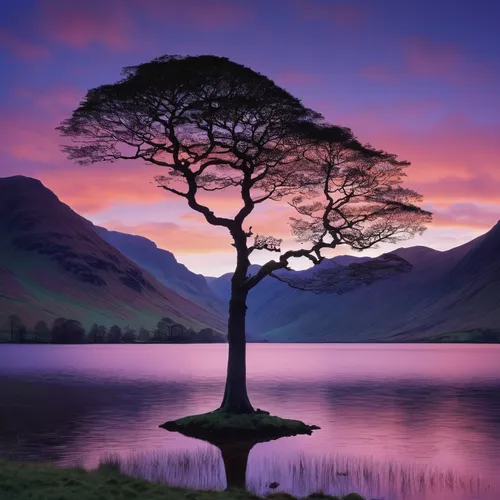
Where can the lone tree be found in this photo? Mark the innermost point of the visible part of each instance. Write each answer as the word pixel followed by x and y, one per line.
pixel 216 125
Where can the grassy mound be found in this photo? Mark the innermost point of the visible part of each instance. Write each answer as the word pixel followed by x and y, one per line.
pixel 220 425
pixel 22 481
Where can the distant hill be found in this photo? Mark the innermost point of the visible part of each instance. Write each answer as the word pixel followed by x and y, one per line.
pixel 163 265
pixel 445 293
pixel 221 285
pixel 54 263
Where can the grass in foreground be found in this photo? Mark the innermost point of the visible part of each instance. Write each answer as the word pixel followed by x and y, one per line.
pixel 22 481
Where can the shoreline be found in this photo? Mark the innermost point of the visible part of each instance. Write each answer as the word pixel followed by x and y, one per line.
pixel 24 480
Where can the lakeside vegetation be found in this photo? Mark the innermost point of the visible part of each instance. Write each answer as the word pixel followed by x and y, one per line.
pixel 22 481
pixel 302 474
pixel 71 331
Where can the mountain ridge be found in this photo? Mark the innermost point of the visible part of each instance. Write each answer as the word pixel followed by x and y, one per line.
pixel 163 265
pixel 447 291
pixel 57 265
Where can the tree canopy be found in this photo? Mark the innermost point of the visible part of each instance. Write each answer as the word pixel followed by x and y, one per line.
pixel 215 124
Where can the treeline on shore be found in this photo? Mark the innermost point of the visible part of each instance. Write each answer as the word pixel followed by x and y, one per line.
pixel 71 331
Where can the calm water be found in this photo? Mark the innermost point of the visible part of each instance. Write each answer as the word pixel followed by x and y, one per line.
pixel 402 421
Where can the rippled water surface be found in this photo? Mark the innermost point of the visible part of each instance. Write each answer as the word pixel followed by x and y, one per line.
pixel 397 421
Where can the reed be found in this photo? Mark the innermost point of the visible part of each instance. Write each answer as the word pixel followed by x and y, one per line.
pixel 303 475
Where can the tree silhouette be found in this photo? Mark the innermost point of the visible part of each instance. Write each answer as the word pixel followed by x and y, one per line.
pixel 14 323
pixel 41 331
pixel 163 329
pixel 216 125
pixel 144 335
pixel 67 331
pixel 22 331
pixel 97 334
pixel 129 334
pixel 115 335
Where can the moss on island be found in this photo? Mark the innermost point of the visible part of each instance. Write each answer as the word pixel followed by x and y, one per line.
pixel 23 481
pixel 220 425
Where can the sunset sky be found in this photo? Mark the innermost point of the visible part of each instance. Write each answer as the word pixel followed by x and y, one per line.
pixel 419 78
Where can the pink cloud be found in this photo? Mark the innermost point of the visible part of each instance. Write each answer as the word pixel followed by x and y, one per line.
pixel 21 47
pixel 57 101
pixel 451 189
pixel 113 23
pixel 28 139
pixel 28 131
pixel 467 216
pixel 425 58
pixel 80 24
pixel 448 145
pixel 178 238
pixel 96 188
pixel 191 235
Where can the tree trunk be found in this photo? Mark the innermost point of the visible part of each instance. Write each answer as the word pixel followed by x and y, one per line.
pixel 235 394
pixel 235 457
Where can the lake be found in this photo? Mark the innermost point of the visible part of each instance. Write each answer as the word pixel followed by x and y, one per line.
pixel 397 422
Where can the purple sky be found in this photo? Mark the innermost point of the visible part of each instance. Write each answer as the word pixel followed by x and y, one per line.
pixel 418 78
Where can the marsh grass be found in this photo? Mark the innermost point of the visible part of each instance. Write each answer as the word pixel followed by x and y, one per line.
pixel 24 481
pixel 110 462
pixel 202 469
pixel 306 475
pixel 337 474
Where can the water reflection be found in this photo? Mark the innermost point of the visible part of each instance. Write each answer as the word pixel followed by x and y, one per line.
pixel 78 403
pixel 228 466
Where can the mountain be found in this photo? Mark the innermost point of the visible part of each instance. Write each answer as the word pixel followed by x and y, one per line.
pixel 221 285
pixel 445 293
pixel 164 267
pixel 54 263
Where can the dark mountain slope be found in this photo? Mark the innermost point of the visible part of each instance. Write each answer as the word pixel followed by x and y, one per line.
pixel 165 268
pixel 452 291
pixel 53 263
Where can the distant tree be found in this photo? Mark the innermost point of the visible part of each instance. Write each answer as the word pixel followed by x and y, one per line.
pixel 129 334
pixel 115 335
pixel 41 331
pixel 14 324
pixel 177 333
pixel 209 335
pixel 97 334
pixel 22 331
pixel 163 330
pixel 191 335
pixel 67 331
pixel 144 335
pixel 101 334
pixel 216 125
pixel 92 334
